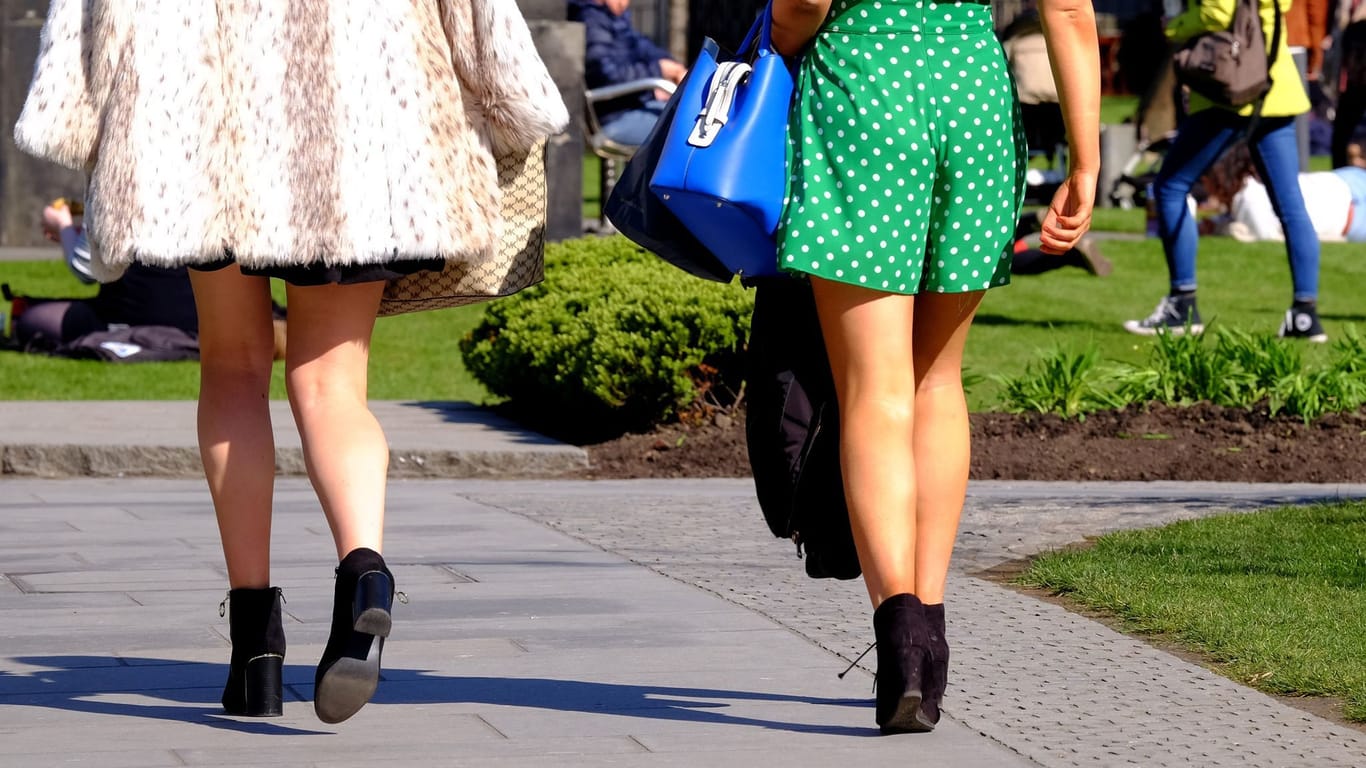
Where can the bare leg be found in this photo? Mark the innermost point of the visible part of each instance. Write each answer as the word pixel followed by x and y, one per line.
pixel 236 443
pixel 326 371
pixel 868 336
pixel 942 451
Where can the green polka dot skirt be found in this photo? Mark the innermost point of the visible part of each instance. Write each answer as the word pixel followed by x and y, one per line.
pixel 906 156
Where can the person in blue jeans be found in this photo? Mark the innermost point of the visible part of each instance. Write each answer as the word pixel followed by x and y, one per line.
pixel 616 53
pixel 1206 133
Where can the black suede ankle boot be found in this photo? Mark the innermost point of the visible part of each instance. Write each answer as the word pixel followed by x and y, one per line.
pixel 349 670
pixel 902 648
pixel 936 663
pixel 255 686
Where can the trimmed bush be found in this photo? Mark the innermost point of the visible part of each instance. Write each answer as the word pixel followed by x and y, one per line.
pixel 614 340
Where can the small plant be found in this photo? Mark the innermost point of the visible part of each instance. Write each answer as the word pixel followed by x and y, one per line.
pixel 1236 370
pixel 1265 360
pixel 1063 382
pixel 1349 351
pixel 1183 369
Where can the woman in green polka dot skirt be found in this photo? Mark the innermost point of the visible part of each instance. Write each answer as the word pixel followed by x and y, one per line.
pixel 907 168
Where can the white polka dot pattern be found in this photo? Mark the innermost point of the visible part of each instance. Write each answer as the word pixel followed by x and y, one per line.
pixel 905 153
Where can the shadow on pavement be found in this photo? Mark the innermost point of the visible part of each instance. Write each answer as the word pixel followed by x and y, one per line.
pixel 191 690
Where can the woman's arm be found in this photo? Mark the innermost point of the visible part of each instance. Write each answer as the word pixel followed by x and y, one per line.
pixel 795 22
pixel 1069 27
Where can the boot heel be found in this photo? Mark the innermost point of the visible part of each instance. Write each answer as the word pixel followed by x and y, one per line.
pixel 374 601
pixel 264 686
pixel 255 671
pixel 348 672
pixel 902 641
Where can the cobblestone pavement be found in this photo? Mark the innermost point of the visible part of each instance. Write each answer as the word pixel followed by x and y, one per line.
pixel 1058 688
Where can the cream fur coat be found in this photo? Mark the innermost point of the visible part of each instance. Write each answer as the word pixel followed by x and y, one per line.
pixel 287 131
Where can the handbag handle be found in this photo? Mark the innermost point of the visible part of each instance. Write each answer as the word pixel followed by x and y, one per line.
pixel 762 32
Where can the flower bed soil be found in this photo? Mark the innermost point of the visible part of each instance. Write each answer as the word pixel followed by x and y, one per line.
pixel 1202 442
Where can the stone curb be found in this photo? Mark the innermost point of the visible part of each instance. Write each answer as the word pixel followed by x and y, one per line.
pixel 431 440
pixel 62 461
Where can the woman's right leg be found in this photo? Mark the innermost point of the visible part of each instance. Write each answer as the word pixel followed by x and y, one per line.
pixel 326 364
pixel 1203 137
pixel 236 442
pixel 347 457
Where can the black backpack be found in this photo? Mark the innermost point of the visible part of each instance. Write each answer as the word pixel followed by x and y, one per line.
pixel 792 429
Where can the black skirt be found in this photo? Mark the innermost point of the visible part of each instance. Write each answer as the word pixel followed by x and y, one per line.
pixel 335 274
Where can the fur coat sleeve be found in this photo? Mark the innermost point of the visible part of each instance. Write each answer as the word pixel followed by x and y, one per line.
pixel 60 119
pixel 506 79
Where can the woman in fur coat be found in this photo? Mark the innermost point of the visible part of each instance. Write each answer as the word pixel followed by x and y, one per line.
pixel 335 145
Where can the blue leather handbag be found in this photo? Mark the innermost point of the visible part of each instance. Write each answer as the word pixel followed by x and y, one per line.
pixel 723 167
pixel 644 219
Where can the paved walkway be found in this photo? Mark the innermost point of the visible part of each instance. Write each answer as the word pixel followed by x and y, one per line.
pixel 575 623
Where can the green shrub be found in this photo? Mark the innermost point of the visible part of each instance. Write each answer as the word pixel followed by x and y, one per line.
pixel 613 340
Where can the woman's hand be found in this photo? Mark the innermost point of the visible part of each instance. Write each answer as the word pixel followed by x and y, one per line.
pixel 55 219
pixel 1069 214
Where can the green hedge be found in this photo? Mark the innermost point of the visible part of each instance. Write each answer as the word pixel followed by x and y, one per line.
pixel 614 340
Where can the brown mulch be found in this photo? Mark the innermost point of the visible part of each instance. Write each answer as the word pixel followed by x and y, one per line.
pixel 1202 442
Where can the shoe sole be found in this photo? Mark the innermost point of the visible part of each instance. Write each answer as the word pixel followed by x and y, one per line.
pixel 1321 338
pixel 908 717
pixel 1175 330
pixel 348 684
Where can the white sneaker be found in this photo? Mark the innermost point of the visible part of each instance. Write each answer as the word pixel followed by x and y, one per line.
pixel 1174 315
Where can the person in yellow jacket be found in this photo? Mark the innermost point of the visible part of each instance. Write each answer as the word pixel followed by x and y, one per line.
pixel 1205 134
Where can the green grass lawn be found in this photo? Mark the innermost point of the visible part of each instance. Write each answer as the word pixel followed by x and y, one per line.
pixel 417 356
pixel 414 356
pixel 1118 108
pixel 1273 598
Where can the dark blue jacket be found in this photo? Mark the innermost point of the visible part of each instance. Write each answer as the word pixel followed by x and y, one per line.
pixel 615 52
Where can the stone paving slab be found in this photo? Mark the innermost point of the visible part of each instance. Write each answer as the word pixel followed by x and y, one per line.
pixel 521 646
pixel 35 253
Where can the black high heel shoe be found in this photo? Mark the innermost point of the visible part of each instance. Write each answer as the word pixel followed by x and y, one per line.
pixel 902 647
pixel 255 686
pixel 936 663
pixel 349 670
